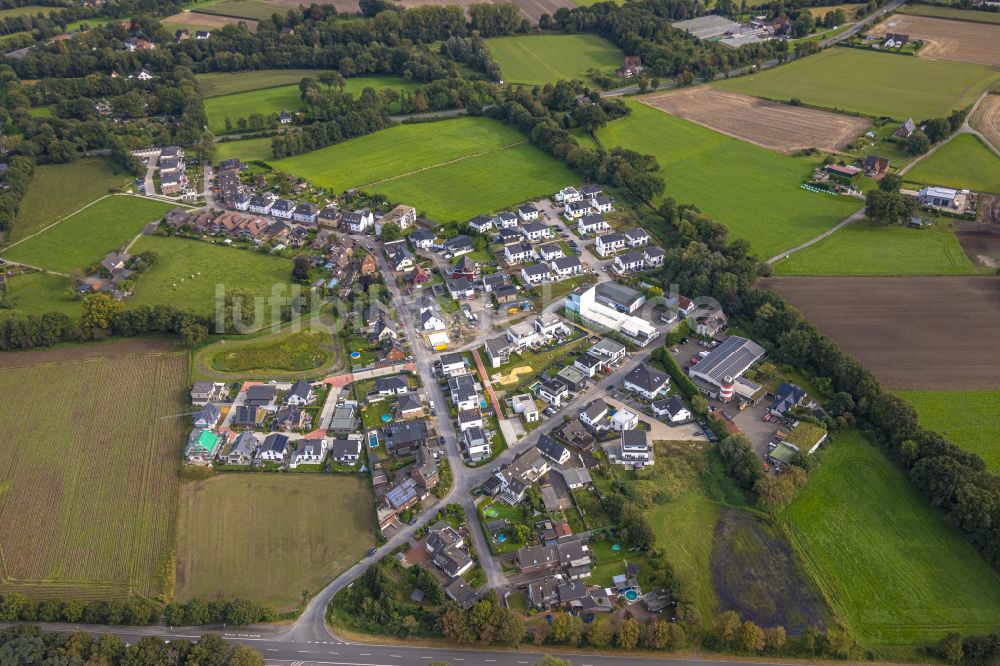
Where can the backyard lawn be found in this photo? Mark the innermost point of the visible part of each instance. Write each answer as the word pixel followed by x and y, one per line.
pixel 963 162
pixel 541 59
pixel 966 418
pixel 48 200
pixel 883 556
pixel 861 248
pixel 754 191
pixel 189 272
pixel 248 150
pixel 83 239
pixel 874 84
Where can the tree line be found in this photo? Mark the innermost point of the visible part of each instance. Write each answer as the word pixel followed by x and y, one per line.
pixel 28 646
pixel 234 612
pixel 17 177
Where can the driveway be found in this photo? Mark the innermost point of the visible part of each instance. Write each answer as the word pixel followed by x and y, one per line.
pixel 658 430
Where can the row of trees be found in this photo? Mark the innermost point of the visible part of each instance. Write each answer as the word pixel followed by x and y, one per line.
pixel 744 636
pixel 131 611
pixel 17 178
pixel 29 646
pixel 235 612
pixel 627 634
pixel 348 119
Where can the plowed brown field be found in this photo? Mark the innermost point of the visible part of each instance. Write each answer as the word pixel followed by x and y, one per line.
pixel 768 124
pixel 947 40
pixel 919 333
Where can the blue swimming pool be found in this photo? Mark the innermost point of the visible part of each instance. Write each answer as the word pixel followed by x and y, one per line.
pixel 372 439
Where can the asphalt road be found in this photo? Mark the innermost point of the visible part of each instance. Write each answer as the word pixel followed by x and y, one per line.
pixel 280 649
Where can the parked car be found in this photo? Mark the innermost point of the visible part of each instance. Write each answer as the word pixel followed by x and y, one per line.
pixel 371 552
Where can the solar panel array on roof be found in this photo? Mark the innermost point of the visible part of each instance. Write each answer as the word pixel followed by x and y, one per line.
pixel 730 359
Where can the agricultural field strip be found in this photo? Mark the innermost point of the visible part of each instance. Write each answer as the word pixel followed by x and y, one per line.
pixel 943 39
pixel 445 163
pixel 986 119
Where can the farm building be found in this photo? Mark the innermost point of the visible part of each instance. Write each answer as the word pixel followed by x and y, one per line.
pixel 709 26
pixel 942 197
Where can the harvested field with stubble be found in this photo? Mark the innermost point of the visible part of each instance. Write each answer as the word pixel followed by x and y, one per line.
pixel 768 124
pixel 943 39
pixel 199 21
pixel 91 439
pixel 914 333
pixel 986 119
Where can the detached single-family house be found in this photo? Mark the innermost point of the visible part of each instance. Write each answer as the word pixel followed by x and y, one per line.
pixel 536 231
pixel 637 237
pixel 453 364
pixel 481 223
pixel 906 129
pixel 612 352
pixel 588 364
pixel 553 450
pixel 654 256
pixel 274 448
pixel 205 392
pixel 202 446
pixel 565 267
pixel 594 414
pixel 306 213
pixel 568 195
pixel 647 381
pixel 358 221
pixel 527 213
pixel 308 452
pixel 242 450
pixel 608 244
pixel 551 251
pixel 525 406
pixel 601 204
pixel 422 239
pixel 261 396
pixel 391 385
pixel 630 262
pixel 300 394
pixel 635 446
pixel 787 397
pixel 553 391
pixel 574 210
pixel 261 203
pixel 519 253
pixel 592 224
pixel 459 288
pixel 672 409
pixel 345 451
pixel 208 417
pixel 498 349
pixel 624 419
pixel 458 245
pixel 283 208
pixel 431 321
pixel 536 274
pixel 505 220
pixel 476 444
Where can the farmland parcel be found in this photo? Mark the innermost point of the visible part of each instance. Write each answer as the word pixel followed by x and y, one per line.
pixel 268 537
pixel 886 559
pixel 955 13
pixel 918 333
pixel 449 170
pixel 772 125
pixel 986 119
pixel 83 239
pixel 866 249
pixel 962 162
pixel 947 40
pixel 874 84
pixel 91 440
pixel 540 59
pixel 754 191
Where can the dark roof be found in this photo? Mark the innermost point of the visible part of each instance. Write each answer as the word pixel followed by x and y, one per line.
pixel 275 442
pixel 390 383
pixel 671 405
pixel 300 389
pixel 550 448
pixel 405 433
pixel 788 396
pixel 647 377
pixel 260 394
pixel 634 438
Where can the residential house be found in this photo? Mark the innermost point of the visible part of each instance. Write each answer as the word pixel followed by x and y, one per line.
pixel 516 254
pixel 261 396
pixel 459 288
pixel 536 231
pixel 329 216
pixel 475 444
pixel 246 416
pixel 566 267
pixel 490 282
pixel 358 221
pixel 710 324
pixel 522 335
pixel 654 257
pixel 469 418
pixel 498 350
pixel 537 559
pixel 408 406
pixel 551 251
pixel 589 364
pixel 611 351
pixel 505 220
pixel 553 391
pixel 274 448
pixel 672 409
pixel 594 414
pixel 208 417
pixel 283 208
pixel 306 213
pixel 463 392
pixel 368 265
pixel 391 385
pixel 425 471
pixel 431 321
pixel 635 447
pixel 525 406
pixel 623 419
pixel 345 451
pixel 601 204
pixel 507 237
pixel 403 439
pixel 647 381
pixel 553 450
pixel 536 274
pixel 453 364
pixel 262 203
pixel 300 394
pixel 568 195
pixel 422 239
pixel 787 397
pixel 291 418
pixel 481 223
pixel 402 216
pixel 637 237
pixel 285 117
pixel 906 129
pixel 631 66
pixel 592 224
pixel 202 446
pixel 205 392
pixel 527 213
pixel 548 325
pixel 574 210
pixel 399 257
pixel 465 267
pixel 308 452
pixel 458 245
pixel 607 244
pixel 505 294
pixel 591 190
pixel 875 166
pixel 461 593
pixel 630 262
pixel 242 450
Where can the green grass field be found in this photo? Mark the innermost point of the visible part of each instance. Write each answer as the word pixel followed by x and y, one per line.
pixel 211 265
pixel 84 239
pixel 268 537
pixel 248 150
pixel 962 162
pixel 450 170
pixel 48 199
pixel 251 9
pixel 861 248
pixel 897 572
pixel 955 13
pixel 89 480
pixel 967 418
pixel 38 293
pixel 752 190
pixel 871 83
pixel 540 59
pixel 28 10
pixel 289 352
pixel 286 97
pixel 218 84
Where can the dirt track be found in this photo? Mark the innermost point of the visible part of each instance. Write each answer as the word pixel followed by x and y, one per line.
pixel 947 40
pixel 530 9
pixel 986 119
pixel 768 124
pixel 914 332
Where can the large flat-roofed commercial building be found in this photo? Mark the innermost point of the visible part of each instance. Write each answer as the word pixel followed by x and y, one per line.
pixel 709 26
pixel 720 374
pixel 610 312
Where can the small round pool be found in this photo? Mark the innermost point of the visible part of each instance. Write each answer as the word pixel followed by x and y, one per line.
pixel 355 354
pixel 491 512
pixel 386 418
pixel 631 595
pixel 617 547
pixel 501 538
pixel 483 404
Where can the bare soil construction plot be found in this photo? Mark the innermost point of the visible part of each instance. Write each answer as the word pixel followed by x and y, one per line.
pixel 201 21
pixel 767 124
pixel 981 242
pixel 530 9
pixel 947 40
pixel 986 119
pixel 918 333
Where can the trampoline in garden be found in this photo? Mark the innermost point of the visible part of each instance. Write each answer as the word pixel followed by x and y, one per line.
pixel 355 354
pixel 386 418
pixel 617 547
pixel 491 512
pixel 631 595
